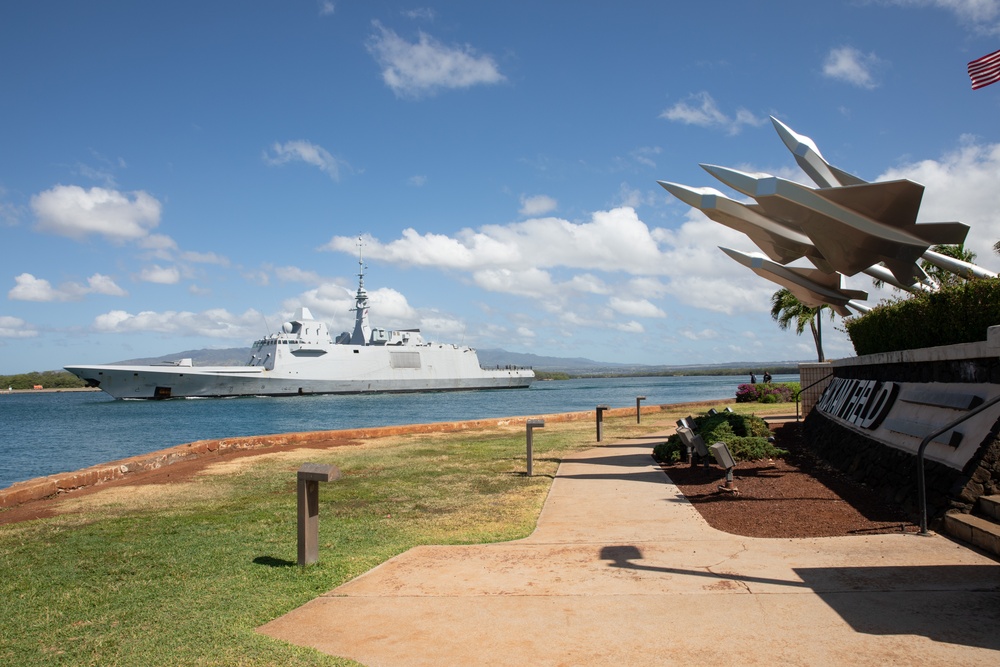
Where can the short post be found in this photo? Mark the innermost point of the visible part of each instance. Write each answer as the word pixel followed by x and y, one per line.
pixel 638 417
pixel 532 424
pixel 600 420
pixel 310 475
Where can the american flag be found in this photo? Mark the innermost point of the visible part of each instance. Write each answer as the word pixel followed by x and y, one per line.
pixel 984 71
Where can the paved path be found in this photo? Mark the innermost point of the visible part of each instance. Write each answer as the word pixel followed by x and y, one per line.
pixel 622 570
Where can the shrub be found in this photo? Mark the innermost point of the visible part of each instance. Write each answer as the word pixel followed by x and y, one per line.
pixel 768 392
pixel 669 451
pixel 954 314
pixel 746 436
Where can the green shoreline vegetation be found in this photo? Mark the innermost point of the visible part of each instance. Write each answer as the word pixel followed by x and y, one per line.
pixel 182 573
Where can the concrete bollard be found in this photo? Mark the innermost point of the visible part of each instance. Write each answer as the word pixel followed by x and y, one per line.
pixel 310 475
pixel 638 414
pixel 530 425
pixel 600 420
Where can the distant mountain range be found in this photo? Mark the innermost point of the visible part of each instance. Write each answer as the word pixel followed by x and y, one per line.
pixel 237 356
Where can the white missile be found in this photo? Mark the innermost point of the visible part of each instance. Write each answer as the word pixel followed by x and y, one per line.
pixel 812 287
pixel 782 243
pixel 853 227
pixel 808 157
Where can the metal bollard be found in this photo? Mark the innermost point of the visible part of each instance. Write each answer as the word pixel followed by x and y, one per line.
pixel 310 475
pixel 638 414
pixel 600 420
pixel 532 424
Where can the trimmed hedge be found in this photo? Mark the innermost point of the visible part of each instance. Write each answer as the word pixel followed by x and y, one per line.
pixel 958 314
pixel 746 436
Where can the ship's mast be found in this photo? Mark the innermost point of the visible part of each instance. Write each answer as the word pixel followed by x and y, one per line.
pixel 362 330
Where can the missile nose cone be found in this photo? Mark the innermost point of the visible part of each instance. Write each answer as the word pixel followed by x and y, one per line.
pixel 700 198
pixel 737 180
pixel 788 137
pixel 800 145
pixel 749 260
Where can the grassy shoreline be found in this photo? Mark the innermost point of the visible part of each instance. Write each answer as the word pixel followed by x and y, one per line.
pixel 183 573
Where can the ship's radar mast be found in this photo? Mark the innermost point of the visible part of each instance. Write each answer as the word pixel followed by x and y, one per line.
pixel 362 329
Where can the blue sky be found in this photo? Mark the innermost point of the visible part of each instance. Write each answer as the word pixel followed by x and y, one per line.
pixel 178 175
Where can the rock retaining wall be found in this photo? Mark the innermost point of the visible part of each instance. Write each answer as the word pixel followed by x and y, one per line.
pixel 893 472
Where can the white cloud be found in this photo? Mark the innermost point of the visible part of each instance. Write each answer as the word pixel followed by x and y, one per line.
pixel 304 151
pixel 533 283
pixel 160 275
pixel 700 109
pixel 214 323
pixel 332 303
pixel 961 185
pixel 615 240
pixel 635 307
pixel 293 274
pixel 851 66
pixel 537 205
pixel 327 7
pixel 424 67
pixel 417 181
pixel 15 327
pixel 982 16
pixel 30 288
pixel 704 334
pixel 204 258
pixel 644 155
pixel 101 284
pixel 69 210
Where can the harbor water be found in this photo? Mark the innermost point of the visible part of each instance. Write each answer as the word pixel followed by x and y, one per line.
pixel 47 433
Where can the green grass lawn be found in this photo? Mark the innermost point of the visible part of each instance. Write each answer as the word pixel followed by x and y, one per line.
pixel 182 574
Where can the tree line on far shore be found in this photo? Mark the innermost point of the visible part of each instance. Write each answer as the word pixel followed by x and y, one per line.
pixel 46 379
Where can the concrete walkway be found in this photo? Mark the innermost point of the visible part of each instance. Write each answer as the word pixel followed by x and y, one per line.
pixel 622 570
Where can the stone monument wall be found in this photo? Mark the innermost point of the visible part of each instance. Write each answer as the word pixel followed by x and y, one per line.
pixel 876 409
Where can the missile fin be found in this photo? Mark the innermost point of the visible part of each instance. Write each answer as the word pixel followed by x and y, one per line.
pixel 892 203
pixel 941 233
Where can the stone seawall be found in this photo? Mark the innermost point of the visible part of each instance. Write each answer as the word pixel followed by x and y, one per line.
pixel 51 485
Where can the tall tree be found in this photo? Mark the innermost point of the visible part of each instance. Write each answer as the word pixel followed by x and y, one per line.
pixel 786 308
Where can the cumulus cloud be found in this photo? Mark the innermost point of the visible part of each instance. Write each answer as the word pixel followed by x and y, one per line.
pixel 293 274
pixel 30 288
pixel 214 323
pixel 850 65
pixel 413 69
pixel 615 240
pixel 15 327
pixel 961 185
pixel 170 275
pixel 635 307
pixel 981 16
pixel 537 205
pixel 69 210
pixel 701 109
pixel 332 303
pixel 304 151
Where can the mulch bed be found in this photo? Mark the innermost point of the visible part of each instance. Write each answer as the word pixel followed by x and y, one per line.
pixel 798 496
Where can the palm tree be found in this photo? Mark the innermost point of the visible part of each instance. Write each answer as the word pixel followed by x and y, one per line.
pixel 786 308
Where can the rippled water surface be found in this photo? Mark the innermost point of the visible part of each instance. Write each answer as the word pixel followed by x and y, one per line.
pixel 46 433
